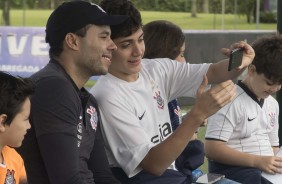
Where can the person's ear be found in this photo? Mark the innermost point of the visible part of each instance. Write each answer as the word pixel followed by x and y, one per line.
pixel 251 69
pixel 3 118
pixel 72 41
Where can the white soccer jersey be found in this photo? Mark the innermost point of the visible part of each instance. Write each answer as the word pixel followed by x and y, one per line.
pixel 135 115
pixel 245 124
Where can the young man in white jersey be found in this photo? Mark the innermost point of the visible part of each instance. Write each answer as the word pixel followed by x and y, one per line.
pixel 242 137
pixel 133 97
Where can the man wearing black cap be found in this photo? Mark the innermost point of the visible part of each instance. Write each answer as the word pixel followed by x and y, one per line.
pixel 64 144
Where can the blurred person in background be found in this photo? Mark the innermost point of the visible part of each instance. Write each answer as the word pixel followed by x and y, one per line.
pixel 164 39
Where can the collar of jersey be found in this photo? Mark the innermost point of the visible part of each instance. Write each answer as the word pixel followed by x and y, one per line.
pixel 250 93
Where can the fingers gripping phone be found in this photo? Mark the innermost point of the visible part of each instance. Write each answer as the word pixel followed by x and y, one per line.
pixel 235 59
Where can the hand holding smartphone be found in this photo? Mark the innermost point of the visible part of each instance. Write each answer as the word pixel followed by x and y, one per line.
pixel 235 59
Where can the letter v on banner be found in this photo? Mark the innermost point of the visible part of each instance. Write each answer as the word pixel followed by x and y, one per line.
pixel 23 50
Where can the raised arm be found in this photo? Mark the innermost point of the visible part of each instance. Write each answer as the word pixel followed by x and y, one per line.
pixel 218 71
pixel 207 103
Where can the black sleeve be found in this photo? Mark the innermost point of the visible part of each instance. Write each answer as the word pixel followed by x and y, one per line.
pixel 60 156
pixel 99 164
pixel 55 112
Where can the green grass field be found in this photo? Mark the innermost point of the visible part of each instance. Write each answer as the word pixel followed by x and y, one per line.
pixel 38 18
pixel 183 19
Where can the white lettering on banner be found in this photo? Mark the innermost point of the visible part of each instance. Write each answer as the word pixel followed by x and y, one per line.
pixel 38 46
pixel 16 45
pixel 13 47
pixel 19 68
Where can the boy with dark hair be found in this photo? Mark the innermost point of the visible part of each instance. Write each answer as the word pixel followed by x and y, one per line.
pixel 64 144
pixel 164 39
pixel 15 95
pixel 242 137
pixel 133 97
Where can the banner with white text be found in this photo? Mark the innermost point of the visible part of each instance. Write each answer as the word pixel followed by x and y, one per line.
pixel 23 50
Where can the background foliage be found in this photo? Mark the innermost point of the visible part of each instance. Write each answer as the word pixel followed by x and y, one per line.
pixel 241 7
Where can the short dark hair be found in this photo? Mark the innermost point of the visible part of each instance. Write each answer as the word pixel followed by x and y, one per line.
pixel 56 49
pixel 162 39
pixel 72 16
pixel 123 7
pixel 268 57
pixel 13 93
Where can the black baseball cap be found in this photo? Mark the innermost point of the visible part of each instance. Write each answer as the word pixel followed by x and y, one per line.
pixel 69 17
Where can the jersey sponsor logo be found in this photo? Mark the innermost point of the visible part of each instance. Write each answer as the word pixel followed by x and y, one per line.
pixel 272 118
pixel 93 116
pixel 79 128
pixel 251 119
pixel 159 99
pixel 141 117
pixel 10 177
pixel 79 132
pixel 164 131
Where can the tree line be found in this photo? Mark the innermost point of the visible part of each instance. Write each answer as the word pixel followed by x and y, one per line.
pixel 246 7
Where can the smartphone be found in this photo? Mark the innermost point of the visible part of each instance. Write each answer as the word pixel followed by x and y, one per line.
pixel 235 59
pixel 209 178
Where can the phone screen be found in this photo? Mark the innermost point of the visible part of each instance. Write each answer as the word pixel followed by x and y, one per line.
pixel 235 59
pixel 209 178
